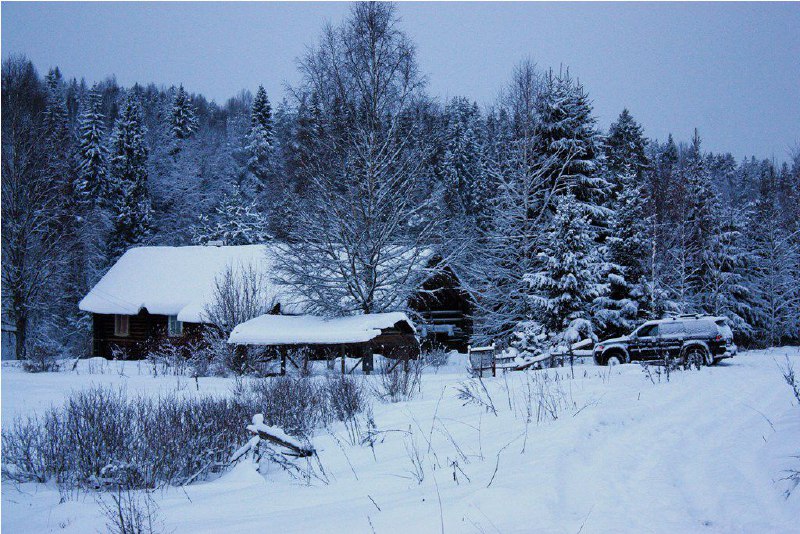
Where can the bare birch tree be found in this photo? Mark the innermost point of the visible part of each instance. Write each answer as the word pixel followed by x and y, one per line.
pixel 359 244
pixel 30 239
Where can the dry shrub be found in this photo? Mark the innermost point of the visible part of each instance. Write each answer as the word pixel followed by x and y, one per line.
pixel 398 382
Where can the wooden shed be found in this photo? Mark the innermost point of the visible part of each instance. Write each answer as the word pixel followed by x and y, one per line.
pixel 391 335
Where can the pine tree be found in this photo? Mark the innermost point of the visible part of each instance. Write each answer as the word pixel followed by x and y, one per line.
pixel 131 207
pixel 234 221
pixel 92 154
pixel 184 118
pixel 567 284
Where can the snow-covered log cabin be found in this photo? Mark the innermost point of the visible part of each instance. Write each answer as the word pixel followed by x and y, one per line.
pixel 152 293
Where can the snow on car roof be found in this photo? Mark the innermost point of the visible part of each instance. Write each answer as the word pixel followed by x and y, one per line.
pixel 178 280
pixel 314 330
pixel 687 318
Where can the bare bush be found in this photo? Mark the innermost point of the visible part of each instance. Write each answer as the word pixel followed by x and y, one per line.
pixel 240 293
pixel 397 383
pixel 297 405
pixel 436 357
pixel 102 439
pixel 791 380
pixel 474 392
pixel 41 358
pixel 131 512
pixel 792 475
pixel 174 357
pixel 348 399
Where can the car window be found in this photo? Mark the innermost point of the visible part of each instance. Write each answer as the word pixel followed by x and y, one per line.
pixel 700 328
pixel 647 330
pixel 671 328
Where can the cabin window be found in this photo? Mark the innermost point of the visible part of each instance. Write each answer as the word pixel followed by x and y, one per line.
pixel 121 325
pixel 175 327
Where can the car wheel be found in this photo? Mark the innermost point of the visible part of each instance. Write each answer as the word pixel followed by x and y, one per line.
pixel 697 356
pixel 614 360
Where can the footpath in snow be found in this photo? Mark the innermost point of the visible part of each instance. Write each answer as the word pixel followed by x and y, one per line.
pixel 606 451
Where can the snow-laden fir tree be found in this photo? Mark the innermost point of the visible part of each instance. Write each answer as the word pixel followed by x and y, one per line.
pixel 627 245
pixel 725 290
pixel 774 276
pixel 701 220
pixel 91 157
pixel 260 142
pixel 566 131
pixel 235 221
pixel 462 165
pixel 625 147
pixel 131 208
pixel 184 117
pixel 567 283
pixel 58 138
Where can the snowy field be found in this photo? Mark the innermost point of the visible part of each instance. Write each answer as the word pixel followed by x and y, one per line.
pixel 612 451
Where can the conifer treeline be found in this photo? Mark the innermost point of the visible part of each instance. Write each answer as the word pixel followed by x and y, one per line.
pixel 559 229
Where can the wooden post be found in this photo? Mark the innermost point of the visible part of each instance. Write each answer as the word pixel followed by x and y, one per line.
pixel 341 353
pixel 283 360
pixel 367 363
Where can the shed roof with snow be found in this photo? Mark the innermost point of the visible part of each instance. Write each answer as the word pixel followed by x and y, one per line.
pixel 179 280
pixel 314 330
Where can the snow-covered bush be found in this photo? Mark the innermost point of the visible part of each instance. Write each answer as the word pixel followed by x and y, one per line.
pixel 174 357
pixel 529 338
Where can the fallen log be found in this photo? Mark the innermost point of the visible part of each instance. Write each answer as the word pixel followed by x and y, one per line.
pixel 274 435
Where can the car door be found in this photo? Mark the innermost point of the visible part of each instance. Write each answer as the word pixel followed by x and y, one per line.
pixel 671 337
pixel 644 345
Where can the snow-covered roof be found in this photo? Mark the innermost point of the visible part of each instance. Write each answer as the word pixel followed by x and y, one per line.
pixel 178 280
pixel 314 330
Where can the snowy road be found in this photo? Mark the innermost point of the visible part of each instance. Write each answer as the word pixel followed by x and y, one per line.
pixel 702 453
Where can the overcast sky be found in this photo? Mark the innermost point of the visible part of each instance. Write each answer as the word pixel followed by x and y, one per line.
pixel 731 70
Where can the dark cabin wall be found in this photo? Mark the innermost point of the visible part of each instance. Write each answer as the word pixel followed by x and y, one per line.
pixel 442 302
pixel 146 331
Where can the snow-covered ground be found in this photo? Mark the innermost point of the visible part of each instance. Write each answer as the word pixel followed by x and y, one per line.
pixel 614 452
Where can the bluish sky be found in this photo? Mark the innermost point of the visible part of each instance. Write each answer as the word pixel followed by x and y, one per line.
pixel 731 70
